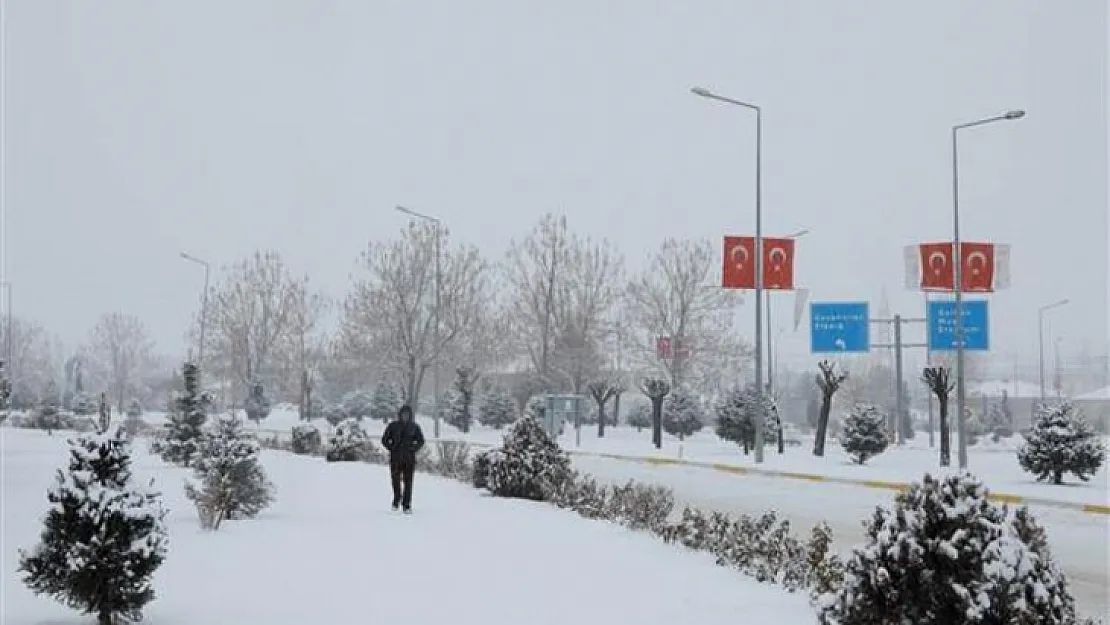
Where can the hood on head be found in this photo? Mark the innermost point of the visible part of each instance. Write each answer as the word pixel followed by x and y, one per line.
pixel 405 413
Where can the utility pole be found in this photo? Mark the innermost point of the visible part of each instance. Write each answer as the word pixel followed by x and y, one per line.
pixel 899 401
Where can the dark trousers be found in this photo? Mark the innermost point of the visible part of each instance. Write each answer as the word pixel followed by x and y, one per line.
pixel 401 472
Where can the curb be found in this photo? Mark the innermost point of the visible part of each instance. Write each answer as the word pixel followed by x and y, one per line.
pixel 732 469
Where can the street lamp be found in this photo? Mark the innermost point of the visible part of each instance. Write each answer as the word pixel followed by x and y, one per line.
pixel 771 358
pixel 957 261
pixel 435 366
pixel 705 93
pixel 203 307
pixel 1040 339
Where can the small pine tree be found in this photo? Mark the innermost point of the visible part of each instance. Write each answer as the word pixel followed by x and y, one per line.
pixel 640 416
pixel 1061 441
pixel 231 481
pixel 385 402
pixel 736 415
pixel 103 537
pixel 528 465
pixel 257 405
pixel 183 436
pixel 682 414
pixel 498 409
pixel 946 555
pixel 864 434
pixel 460 408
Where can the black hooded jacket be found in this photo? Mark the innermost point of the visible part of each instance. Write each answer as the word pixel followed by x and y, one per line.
pixel 403 438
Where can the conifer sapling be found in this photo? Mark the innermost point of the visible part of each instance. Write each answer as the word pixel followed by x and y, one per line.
pixel 231 483
pixel 1061 441
pixel 864 434
pixel 104 536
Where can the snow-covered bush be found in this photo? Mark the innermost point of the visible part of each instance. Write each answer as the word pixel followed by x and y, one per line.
pixel 257 405
pixel 104 536
pixel 761 547
pixel 479 475
pixel 824 570
pixel 864 434
pixel 634 505
pixel 640 416
pixel 1000 421
pixel 349 443
pixel 528 465
pixel 231 483
pixel 535 408
pixel 946 555
pixel 82 404
pixel 682 413
pixel 1061 441
pixel 306 439
pixel 498 408
pixel 182 436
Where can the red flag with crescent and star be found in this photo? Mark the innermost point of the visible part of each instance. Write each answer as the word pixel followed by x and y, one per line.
pixel 738 270
pixel 977 267
pixel 778 264
pixel 937 273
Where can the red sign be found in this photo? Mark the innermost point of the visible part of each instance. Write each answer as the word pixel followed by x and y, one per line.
pixel 778 264
pixel 977 267
pixel 663 347
pixel 937 273
pixel 738 271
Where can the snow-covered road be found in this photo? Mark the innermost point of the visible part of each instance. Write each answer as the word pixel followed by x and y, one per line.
pixel 1079 541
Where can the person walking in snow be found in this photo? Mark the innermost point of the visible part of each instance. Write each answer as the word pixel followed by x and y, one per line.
pixel 403 438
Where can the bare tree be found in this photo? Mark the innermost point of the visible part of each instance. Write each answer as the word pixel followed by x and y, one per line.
pixel 939 383
pixel 588 293
pixel 32 360
pixel 656 389
pixel 250 313
pixel 390 312
pixel 304 345
pixel 680 317
pixel 828 380
pixel 120 352
pixel 536 270
pixel 604 388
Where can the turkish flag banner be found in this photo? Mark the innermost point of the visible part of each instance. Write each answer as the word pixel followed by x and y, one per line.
pixel 738 270
pixel 977 267
pixel 937 271
pixel 778 264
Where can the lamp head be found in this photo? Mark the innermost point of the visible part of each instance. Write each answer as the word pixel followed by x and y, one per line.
pixel 1015 114
pixel 702 91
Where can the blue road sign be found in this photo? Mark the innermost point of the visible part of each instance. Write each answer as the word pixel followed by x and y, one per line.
pixel 941 318
pixel 839 327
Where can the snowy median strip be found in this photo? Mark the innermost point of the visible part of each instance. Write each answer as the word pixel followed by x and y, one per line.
pixel 793 475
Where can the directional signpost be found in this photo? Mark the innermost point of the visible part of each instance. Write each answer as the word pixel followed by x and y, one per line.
pixel 941 321
pixel 839 327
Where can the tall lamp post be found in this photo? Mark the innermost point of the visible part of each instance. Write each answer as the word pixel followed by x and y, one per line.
pixel 435 366
pixel 706 93
pixel 772 359
pixel 957 261
pixel 1040 340
pixel 203 308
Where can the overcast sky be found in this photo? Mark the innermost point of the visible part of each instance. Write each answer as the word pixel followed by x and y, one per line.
pixel 135 130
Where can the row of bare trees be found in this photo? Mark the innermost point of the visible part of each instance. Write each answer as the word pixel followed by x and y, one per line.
pixel 559 308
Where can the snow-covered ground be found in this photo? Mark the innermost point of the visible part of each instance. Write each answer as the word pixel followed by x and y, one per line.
pixel 995 463
pixel 330 551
